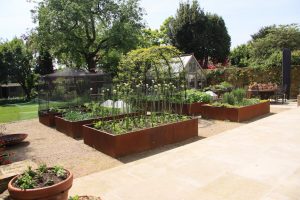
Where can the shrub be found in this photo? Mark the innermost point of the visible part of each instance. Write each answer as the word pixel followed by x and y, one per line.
pixel 193 96
pixel 229 98
pixel 239 94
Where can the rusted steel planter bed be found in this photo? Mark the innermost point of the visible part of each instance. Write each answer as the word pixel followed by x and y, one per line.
pixel 235 114
pixel 48 118
pixel 140 140
pixel 74 129
pixel 191 109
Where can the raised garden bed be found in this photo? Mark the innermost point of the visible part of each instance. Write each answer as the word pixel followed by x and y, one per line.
pixel 74 129
pixel 191 109
pixel 48 118
pixel 139 140
pixel 235 114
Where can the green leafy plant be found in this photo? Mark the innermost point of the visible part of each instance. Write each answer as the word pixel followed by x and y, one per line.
pixel 42 168
pixel 229 98
pixel 76 197
pixel 193 96
pixel 59 171
pixel 128 124
pixel 236 98
pixel 73 115
pixel 27 181
pixel 239 94
pixel 41 177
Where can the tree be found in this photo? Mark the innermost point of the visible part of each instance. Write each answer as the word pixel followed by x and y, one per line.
pixel 165 31
pixel 240 55
pixel 140 64
pixel 267 45
pixel 205 35
pixel 3 67
pixel 263 32
pixel 81 32
pixel 44 63
pixel 17 60
pixel 41 53
pixel 218 41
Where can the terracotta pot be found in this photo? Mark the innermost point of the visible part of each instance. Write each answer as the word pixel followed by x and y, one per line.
pixel 55 192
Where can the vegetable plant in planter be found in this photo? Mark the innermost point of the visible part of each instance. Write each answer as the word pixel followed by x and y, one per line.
pixel 235 107
pixel 71 121
pixel 139 133
pixel 43 183
pixel 192 102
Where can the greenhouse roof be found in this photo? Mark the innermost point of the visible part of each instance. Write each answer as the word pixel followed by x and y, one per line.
pixel 177 64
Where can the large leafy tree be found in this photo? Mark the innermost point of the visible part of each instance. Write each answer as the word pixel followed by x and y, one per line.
pixel 3 67
pixel 205 35
pixel 156 62
pixel 265 48
pixel 275 39
pixel 16 59
pixel 79 33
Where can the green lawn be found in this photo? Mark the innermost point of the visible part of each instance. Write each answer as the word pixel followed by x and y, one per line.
pixel 15 112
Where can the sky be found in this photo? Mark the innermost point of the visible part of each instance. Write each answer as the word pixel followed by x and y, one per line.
pixel 242 17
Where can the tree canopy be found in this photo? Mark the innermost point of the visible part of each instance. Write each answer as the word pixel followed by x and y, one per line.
pixel 141 63
pixel 16 62
pixel 79 33
pixel 265 48
pixel 204 34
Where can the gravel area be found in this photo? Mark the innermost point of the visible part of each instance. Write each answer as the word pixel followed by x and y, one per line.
pixel 46 145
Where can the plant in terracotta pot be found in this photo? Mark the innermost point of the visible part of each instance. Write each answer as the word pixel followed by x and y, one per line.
pixel 84 198
pixel 51 183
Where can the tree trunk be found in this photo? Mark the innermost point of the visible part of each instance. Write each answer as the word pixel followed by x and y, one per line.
pixel 27 92
pixel 205 62
pixel 91 62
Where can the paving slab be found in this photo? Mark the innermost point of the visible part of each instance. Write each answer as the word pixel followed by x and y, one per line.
pixel 260 160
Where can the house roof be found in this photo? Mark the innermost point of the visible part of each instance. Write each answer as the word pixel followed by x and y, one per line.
pixel 10 85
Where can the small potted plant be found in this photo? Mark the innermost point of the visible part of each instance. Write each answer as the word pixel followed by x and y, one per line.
pixel 84 198
pixel 44 183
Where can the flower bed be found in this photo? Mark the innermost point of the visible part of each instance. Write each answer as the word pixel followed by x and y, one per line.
pixel 235 114
pixel 117 145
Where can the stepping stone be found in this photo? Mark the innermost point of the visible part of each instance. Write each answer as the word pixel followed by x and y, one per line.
pixel 7 172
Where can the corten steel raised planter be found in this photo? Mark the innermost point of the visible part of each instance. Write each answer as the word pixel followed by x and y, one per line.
pixel 48 118
pixel 55 192
pixel 74 129
pixel 140 140
pixel 235 114
pixel 191 109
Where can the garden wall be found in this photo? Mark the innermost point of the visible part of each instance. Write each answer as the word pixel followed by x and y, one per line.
pixel 242 77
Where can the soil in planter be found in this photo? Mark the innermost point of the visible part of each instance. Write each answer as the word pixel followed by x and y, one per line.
pixel 33 179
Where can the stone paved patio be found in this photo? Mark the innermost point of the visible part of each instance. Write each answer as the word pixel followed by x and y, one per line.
pixel 259 160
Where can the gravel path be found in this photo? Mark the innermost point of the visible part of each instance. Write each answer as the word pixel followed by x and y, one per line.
pixel 46 145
